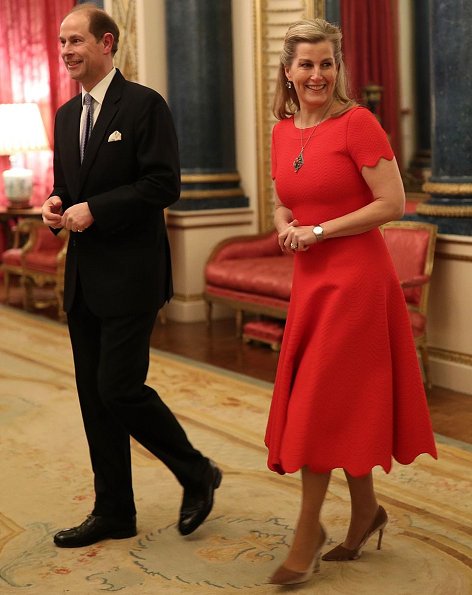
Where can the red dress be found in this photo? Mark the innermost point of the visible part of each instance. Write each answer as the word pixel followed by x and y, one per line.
pixel 348 391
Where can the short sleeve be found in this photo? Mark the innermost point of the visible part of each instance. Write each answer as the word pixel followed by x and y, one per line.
pixel 366 141
pixel 273 156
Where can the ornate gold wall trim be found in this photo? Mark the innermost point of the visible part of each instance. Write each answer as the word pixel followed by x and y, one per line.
pixel 451 356
pixel 460 257
pixel 209 178
pixel 126 58
pixel 447 188
pixel 271 21
pixel 444 210
pixel 218 193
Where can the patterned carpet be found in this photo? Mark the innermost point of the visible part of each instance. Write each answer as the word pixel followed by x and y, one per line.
pixel 46 486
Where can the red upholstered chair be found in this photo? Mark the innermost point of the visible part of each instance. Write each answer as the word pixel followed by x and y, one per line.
pixel 411 245
pixel 249 274
pixel 38 261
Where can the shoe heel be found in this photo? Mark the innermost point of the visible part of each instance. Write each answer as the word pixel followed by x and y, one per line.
pixel 217 481
pixel 379 542
pixel 316 567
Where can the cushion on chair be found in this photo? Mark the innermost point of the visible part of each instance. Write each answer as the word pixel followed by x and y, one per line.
pixel 409 252
pixel 43 262
pixel 266 276
pixel 12 257
pixel 264 330
pixel 43 255
pixel 249 247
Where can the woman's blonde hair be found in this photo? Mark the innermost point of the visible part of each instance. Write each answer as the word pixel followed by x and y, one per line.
pixel 309 31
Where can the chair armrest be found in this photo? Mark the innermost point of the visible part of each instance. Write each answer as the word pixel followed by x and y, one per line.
pixel 250 246
pixel 415 281
pixel 20 229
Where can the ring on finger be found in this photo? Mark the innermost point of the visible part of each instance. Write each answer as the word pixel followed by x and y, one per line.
pixel 293 246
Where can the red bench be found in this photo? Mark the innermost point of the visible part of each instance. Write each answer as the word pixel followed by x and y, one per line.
pixel 249 274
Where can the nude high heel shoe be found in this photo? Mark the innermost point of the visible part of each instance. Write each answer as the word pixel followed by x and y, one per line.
pixel 286 576
pixel 342 554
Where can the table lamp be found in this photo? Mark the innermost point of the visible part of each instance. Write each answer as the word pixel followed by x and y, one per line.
pixel 21 130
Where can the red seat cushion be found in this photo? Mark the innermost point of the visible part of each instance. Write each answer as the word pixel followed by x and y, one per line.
pixel 266 276
pixel 408 250
pixel 418 323
pixel 12 257
pixel 264 330
pixel 43 262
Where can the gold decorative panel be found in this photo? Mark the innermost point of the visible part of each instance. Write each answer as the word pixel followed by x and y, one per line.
pixel 126 58
pixel 272 19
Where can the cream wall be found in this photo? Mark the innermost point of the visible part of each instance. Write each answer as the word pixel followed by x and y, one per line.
pixel 449 321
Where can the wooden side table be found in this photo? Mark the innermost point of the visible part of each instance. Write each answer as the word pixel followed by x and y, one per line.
pixel 10 216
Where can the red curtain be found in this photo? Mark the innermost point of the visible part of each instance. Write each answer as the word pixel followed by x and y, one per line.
pixel 31 70
pixel 370 40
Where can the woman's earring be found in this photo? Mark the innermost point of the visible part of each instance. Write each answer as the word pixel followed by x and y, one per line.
pixel 288 84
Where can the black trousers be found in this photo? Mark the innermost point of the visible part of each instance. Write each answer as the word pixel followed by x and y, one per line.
pixel 111 357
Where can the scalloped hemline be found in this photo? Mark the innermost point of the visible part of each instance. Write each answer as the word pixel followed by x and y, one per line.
pixel 277 467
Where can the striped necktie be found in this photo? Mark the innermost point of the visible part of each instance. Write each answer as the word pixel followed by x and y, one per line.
pixel 88 124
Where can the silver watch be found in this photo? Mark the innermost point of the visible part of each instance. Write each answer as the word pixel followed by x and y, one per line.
pixel 319 233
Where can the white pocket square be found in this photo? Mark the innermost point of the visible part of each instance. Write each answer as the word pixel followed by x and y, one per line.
pixel 114 136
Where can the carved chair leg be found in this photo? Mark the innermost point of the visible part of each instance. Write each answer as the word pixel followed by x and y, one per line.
pixel 6 282
pixel 59 302
pixel 208 312
pixel 239 323
pixel 162 316
pixel 28 301
pixel 425 361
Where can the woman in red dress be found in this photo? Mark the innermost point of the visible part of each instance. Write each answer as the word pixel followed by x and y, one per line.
pixel 348 392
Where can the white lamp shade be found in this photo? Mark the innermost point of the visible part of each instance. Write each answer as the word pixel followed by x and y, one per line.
pixel 21 129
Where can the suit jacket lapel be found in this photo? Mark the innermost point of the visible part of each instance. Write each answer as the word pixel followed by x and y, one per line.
pixel 108 111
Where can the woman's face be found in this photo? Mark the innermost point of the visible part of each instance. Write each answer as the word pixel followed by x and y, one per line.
pixel 313 73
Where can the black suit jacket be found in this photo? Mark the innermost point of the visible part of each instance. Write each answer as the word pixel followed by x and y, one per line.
pixel 123 258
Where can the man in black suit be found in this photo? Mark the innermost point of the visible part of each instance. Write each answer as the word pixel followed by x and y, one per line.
pixel 118 274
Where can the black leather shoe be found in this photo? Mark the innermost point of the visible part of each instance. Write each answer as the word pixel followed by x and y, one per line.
pixel 197 505
pixel 96 528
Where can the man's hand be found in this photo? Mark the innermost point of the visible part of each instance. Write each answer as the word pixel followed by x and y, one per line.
pixel 77 217
pixel 51 212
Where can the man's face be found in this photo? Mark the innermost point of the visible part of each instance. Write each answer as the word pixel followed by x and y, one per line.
pixel 86 59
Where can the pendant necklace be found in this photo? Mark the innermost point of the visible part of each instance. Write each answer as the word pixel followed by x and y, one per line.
pixel 298 163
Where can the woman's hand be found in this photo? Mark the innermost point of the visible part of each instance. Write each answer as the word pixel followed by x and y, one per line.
pixel 296 237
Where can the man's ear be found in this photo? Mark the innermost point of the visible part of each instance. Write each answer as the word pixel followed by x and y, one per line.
pixel 108 40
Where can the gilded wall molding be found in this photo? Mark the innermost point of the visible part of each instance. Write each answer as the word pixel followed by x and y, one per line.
pixel 448 188
pixel 435 210
pixel 460 257
pixel 450 356
pixel 126 58
pixel 271 21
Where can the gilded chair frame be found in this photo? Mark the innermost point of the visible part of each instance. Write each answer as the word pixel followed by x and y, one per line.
pixel 421 341
pixel 428 267
pixel 31 277
pixel 10 270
